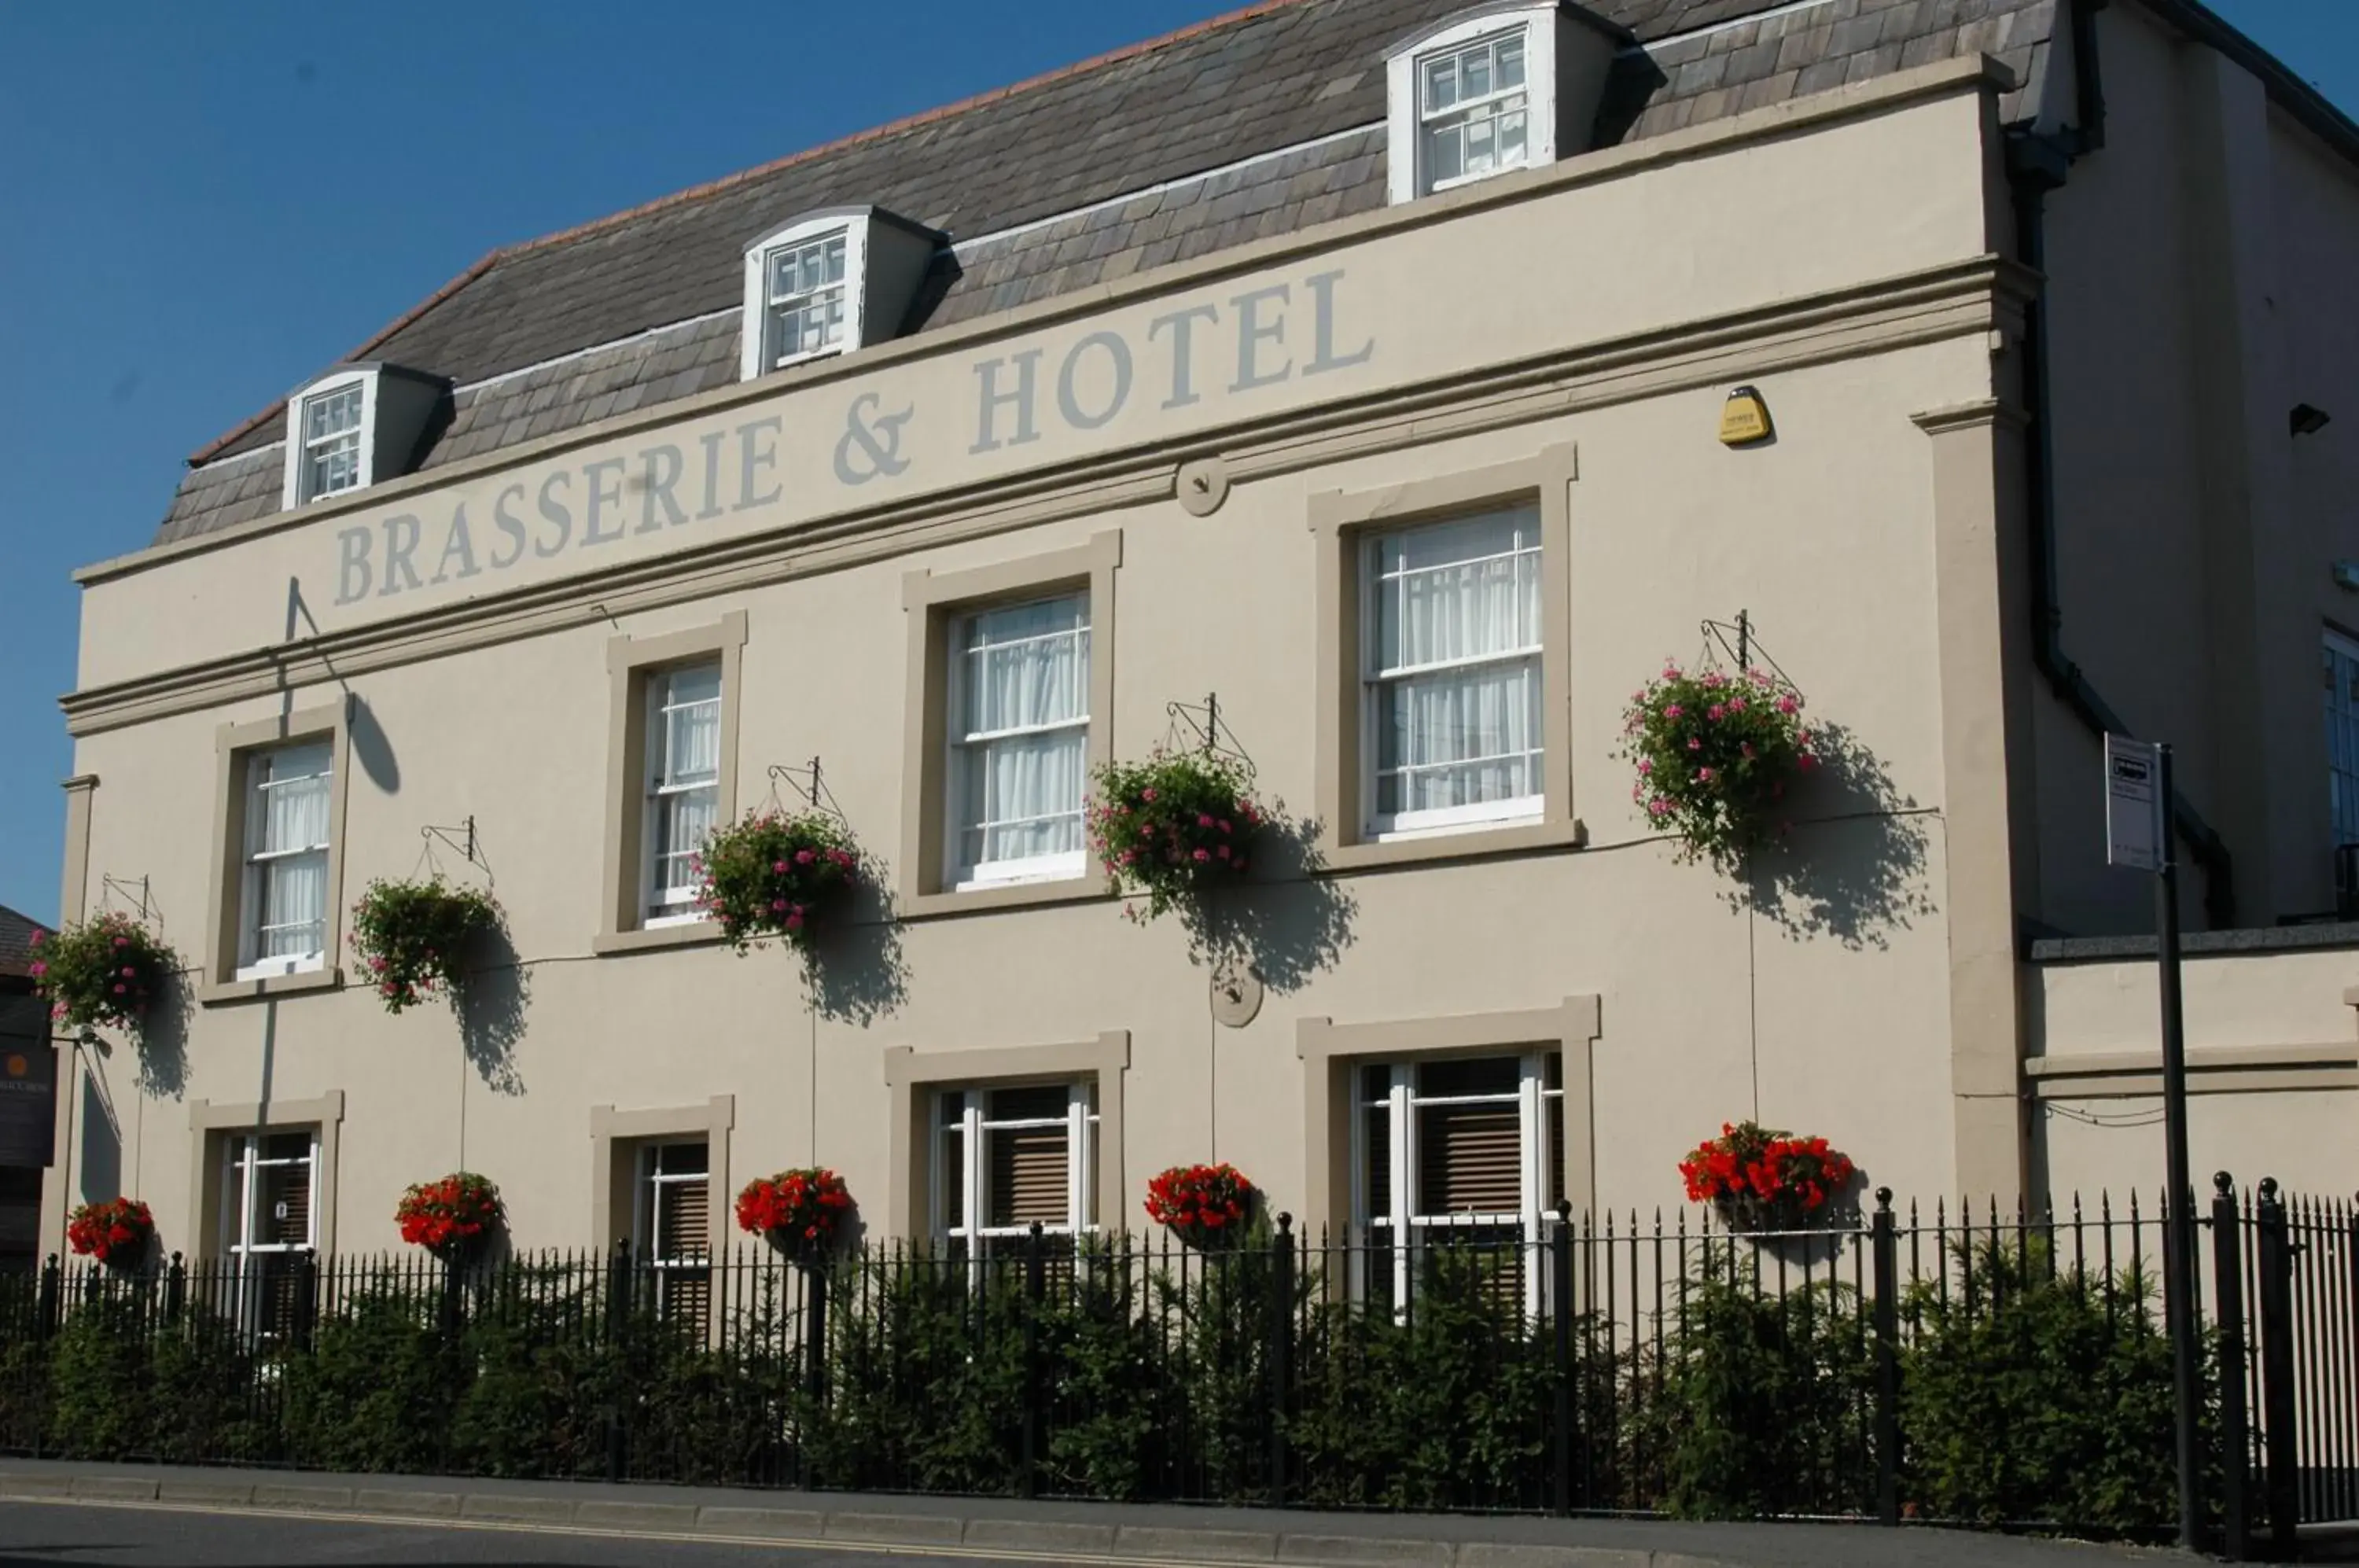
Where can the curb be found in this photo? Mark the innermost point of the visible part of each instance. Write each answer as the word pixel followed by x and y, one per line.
pixel 1161 1545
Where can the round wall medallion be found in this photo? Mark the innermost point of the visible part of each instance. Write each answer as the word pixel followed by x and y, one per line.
pixel 1237 995
pixel 1202 484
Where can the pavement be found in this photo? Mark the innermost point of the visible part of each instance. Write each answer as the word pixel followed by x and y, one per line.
pixel 58 1513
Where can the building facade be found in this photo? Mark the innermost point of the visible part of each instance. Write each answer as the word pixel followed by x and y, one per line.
pixel 1355 367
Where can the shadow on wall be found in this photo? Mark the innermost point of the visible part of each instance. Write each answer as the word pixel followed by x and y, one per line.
pixel 373 748
pixel 163 1043
pixel 491 1009
pixel 1286 924
pixel 855 973
pixel 102 1144
pixel 1854 868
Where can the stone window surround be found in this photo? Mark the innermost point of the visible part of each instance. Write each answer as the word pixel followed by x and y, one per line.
pixel 933 600
pixel 629 661
pixel 615 1135
pixel 208 1121
pixel 1329 1052
pixel 912 1075
pixel 1339 520
pixel 225 910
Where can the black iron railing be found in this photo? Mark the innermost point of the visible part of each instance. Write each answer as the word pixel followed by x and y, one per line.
pixel 1892 1369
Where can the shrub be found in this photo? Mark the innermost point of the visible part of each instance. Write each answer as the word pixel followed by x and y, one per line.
pixel 1203 1205
pixel 1762 1179
pixel 778 875
pixel 2039 1397
pixel 452 1217
pixel 1715 755
pixel 1175 825
pixel 108 970
pixel 413 937
pixel 799 1210
pixel 1763 1395
pixel 118 1232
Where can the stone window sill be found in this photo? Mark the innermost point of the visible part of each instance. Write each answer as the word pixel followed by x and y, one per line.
pixel 218 992
pixel 694 933
pixel 1474 843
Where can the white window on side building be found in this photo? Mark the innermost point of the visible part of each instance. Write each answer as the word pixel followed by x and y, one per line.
pixel 284 923
pixel 1463 1150
pixel 1008 1157
pixel 1450 675
pixel 683 748
pixel 1019 695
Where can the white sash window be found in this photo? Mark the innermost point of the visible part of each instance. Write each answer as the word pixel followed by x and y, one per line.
pixel 1004 1158
pixel 285 898
pixel 1020 725
pixel 683 787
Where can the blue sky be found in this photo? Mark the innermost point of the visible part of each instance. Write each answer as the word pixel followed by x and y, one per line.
pixel 206 204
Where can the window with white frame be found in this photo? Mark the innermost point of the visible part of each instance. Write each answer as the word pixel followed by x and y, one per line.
pixel 804 297
pixel 683 748
pixel 1463 1150
pixel 284 928
pixel 2342 682
pixel 674 1212
pixel 1451 673
pixel 331 428
pixel 1019 701
pixel 267 1221
pixel 1008 1157
pixel 1472 111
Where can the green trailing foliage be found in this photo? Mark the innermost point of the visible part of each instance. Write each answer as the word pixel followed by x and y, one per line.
pixel 414 938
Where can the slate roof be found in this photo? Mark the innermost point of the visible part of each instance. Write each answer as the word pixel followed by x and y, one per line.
pixel 1108 167
pixel 16 933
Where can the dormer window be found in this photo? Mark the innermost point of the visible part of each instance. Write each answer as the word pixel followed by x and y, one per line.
pixel 1471 110
pixel 353 427
pixel 806 299
pixel 1502 87
pixel 830 282
pixel 333 458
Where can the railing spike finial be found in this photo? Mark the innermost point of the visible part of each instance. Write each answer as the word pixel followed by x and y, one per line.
pixel 2223 1183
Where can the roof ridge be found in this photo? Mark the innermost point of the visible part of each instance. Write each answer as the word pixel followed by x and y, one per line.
pixel 729 181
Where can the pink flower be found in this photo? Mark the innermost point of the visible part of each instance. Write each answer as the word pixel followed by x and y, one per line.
pixel 1223 852
pixel 1806 762
pixel 1694 744
pixel 129 972
pixel 802 857
pixel 1670 671
pixel 1746 749
pixel 123 941
pixel 1129 857
pixel 779 866
pixel 38 969
pixel 1715 712
pixel 778 906
pixel 1203 819
pixel 1703 775
pixel 1785 704
pixel 1673 711
pixel 1222 826
pixel 1644 767
pixel 1659 807
pixel 1203 855
pixel 1147 794
pixel 119 990
pixel 1736 704
pixel 1714 678
pixel 794 923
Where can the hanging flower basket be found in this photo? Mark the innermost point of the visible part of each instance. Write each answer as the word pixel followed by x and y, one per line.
pixel 108 970
pixel 800 1211
pixel 118 1232
pixel 1715 755
pixel 1175 825
pixel 778 874
pixel 454 1218
pixel 414 937
pixel 1206 1206
pixel 1762 1179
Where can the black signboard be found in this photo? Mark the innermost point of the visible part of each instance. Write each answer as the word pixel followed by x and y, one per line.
pixel 28 1088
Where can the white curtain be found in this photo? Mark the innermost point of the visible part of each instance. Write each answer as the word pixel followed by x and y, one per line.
pixel 292 853
pixel 1025 711
pixel 1465 596
pixel 685 786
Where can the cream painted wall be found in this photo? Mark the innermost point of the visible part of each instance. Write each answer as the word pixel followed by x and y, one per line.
pixel 2258 1006
pixel 1829 1010
pixel 1700 1004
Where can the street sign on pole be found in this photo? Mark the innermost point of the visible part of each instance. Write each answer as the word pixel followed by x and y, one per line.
pixel 2135 832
